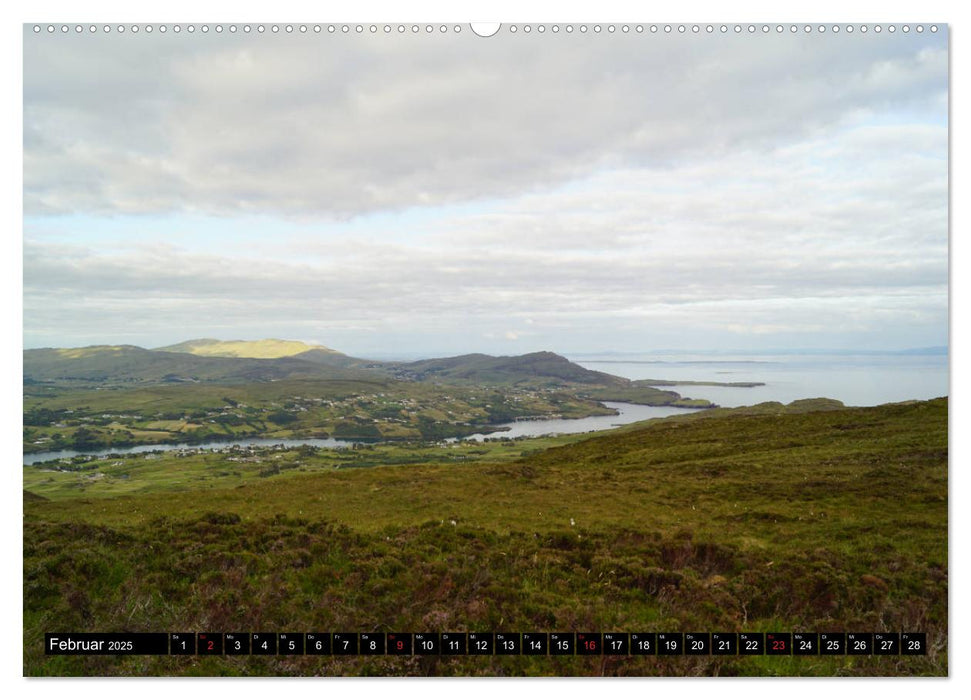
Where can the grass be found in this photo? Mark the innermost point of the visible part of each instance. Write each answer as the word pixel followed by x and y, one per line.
pixel 821 520
pixel 231 467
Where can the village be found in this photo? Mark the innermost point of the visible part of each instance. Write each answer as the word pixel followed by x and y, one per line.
pixel 408 412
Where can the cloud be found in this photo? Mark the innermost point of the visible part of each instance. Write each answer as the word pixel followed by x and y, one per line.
pixel 335 126
pixel 634 192
pixel 842 235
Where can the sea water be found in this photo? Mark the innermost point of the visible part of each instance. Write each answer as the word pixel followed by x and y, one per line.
pixel 854 379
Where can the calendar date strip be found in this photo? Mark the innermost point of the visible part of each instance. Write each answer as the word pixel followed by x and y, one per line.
pixel 488 643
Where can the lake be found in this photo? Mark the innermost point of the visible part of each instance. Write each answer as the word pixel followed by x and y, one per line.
pixel 856 380
pixel 629 413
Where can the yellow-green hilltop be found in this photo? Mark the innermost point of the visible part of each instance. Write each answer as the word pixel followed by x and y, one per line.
pixel 258 349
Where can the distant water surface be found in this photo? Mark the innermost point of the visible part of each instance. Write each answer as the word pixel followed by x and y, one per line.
pixel 856 380
pixel 628 413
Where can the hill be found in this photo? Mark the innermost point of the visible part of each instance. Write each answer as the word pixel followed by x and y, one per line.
pixel 812 520
pixel 538 367
pixel 208 360
pixel 269 348
pixel 126 364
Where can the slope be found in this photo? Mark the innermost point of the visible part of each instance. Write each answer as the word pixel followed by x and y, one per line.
pixel 832 520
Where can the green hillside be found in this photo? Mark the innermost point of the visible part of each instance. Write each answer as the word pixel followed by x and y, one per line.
pixel 541 367
pixel 801 520
pixel 271 360
pixel 106 365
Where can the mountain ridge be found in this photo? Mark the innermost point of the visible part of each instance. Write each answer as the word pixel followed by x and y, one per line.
pixel 127 364
pixel 212 360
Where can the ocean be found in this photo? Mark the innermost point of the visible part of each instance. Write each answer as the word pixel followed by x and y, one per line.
pixel 856 380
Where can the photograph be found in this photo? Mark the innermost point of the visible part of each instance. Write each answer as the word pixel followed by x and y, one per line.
pixel 485 350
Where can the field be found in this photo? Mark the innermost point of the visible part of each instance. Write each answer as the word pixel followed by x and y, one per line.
pixel 815 518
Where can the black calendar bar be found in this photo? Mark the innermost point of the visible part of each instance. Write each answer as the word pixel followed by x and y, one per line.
pixel 482 643
pixel 643 643
pixel 832 643
pixel 112 643
pixel 859 643
pixel 236 643
pixel 455 643
pixel 318 643
pixel 913 643
pixel 670 643
pixel 697 643
pixel 263 643
pixel 427 643
pixel 886 643
pixel 344 643
pixel 563 643
pixel 400 643
pixel 371 643
pixel 182 643
pixel 616 643
pixel 751 643
pixel 778 643
pixel 805 644
pixel 590 644
pixel 291 643
pixel 209 643
pixel 508 643
pixel 536 643
pixel 489 643
pixel 724 643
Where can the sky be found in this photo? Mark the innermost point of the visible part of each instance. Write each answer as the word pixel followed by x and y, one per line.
pixel 437 193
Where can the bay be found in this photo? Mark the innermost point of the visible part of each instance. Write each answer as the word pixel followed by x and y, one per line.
pixel 628 413
pixel 854 379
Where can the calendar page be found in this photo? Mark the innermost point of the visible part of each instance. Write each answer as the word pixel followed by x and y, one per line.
pixel 485 349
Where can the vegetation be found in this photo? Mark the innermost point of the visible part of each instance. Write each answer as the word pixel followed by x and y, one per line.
pixel 534 369
pixel 810 517
pixel 262 349
pixel 116 396
pixel 644 394
pixel 385 409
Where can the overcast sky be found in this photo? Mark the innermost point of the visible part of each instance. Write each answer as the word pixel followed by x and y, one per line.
pixel 444 193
